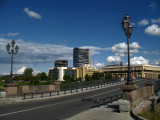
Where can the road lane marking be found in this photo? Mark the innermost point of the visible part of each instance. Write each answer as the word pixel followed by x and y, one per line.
pixel 51 105
pixel 55 103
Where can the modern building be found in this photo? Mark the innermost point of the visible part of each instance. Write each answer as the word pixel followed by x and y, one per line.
pixel 81 57
pixel 146 71
pixel 61 63
pixel 86 69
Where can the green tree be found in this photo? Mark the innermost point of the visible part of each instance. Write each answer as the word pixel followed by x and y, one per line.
pixel 42 76
pixel 108 75
pixel 67 78
pixel 79 79
pixel 28 71
pixel 88 78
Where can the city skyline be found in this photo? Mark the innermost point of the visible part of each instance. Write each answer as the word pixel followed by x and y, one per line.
pixel 49 30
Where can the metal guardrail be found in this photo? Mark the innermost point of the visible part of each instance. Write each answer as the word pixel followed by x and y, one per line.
pixel 108 99
pixel 70 90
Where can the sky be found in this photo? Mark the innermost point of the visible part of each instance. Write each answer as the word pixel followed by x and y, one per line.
pixel 48 30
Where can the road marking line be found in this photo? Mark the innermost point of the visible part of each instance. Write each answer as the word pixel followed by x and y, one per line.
pixel 53 104
pixel 37 108
pixel 50 105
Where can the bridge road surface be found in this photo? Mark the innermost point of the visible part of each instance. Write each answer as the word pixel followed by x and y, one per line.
pixel 57 107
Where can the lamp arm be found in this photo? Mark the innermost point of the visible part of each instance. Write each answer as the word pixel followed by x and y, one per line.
pixel 9 52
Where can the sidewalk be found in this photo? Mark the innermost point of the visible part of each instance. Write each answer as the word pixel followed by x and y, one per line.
pixel 108 112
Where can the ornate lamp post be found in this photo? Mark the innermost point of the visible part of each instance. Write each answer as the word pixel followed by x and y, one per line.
pixel 12 51
pixel 121 64
pixel 128 29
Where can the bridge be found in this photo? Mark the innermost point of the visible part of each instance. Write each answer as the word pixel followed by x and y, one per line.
pixel 63 106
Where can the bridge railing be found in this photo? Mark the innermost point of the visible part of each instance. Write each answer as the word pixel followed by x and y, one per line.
pixel 108 99
pixel 74 87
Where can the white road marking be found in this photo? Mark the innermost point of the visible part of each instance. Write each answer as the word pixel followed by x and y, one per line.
pixel 53 104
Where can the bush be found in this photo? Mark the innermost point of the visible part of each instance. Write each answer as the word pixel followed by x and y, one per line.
pixel 151 115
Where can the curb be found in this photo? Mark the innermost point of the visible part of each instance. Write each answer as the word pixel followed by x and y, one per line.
pixel 135 116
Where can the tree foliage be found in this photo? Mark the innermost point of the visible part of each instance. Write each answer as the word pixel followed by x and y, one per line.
pixel 28 71
pixel 42 76
pixel 108 75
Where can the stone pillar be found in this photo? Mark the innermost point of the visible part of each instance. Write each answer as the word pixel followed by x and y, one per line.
pixel 150 88
pixel 130 93
pixel 61 73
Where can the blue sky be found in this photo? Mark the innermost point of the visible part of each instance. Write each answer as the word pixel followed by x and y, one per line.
pixel 47 30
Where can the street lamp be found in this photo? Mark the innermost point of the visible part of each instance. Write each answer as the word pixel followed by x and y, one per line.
pixel 128 29
pixel 121 64
pixel 12 51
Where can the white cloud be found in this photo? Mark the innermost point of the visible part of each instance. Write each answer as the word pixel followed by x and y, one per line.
pixel 13 34
pixel 32 13
pixel 94 50
pixel 155 20
pixel 99 65
pixel 143 22
pixel 153 30
pixel 138 60
pixel 34 53
pixel 113 59
pixel 21 70
pixel 121 48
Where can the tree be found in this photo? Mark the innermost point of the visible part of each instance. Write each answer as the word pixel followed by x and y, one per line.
pixel 67 78
pixel 108 75
pixel 42 76
pixel 28 71
pixel 87 77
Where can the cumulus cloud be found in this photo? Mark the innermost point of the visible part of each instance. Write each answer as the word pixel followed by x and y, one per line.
pixel 153 30
pixel 21 70
pixel 155 20
pixel 34 53
pixel 121 48
pixel 32 13
pixel 143 22
pixel 94 50
pixel 139 60
pixel 99 65
pixel 113 59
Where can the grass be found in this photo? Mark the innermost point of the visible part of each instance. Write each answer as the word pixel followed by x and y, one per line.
pixel 151 115
pixel 1 84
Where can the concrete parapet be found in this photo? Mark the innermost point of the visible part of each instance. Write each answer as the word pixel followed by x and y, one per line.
pixel 137 95
pixel 17 91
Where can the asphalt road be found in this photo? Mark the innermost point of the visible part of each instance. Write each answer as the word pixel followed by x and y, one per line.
pixel 57 107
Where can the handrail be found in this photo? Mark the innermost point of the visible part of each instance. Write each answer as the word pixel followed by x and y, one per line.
pixel 102 100
pixel 94 86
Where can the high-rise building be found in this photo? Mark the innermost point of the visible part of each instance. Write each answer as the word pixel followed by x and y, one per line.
pixel 81 57
pixel 61 63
